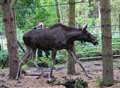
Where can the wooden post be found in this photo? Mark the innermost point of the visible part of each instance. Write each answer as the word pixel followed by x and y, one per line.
pixel 10 32
pixel 106 43
pixel 71 62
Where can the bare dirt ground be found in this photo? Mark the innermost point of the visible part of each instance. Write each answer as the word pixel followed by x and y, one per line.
pixel 94 69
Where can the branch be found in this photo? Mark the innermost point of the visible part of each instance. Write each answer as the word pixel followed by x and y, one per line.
pixel 20 46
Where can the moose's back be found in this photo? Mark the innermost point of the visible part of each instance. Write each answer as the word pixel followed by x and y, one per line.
pixel 46 39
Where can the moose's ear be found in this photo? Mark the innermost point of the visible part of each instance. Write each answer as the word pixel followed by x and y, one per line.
pixel 84 27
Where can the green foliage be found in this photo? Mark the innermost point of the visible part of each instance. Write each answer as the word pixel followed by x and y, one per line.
pixel 30 12
pixel 3 59
pixel 87 50
pixel 3 54
pixel 62 56
pixel 115 11
pixel 99 80
pixel 84 13
pixel 79 20
pixel 44 61
pixel 62 60
pixel 81 84
pixel 24 67
pixel 1 22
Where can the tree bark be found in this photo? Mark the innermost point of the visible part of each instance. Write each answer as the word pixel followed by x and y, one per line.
pixel 9 21
pixel 106 43
pixel 71 62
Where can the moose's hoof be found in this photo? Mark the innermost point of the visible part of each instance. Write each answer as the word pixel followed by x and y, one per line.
pixel 51 80
pixel 17 77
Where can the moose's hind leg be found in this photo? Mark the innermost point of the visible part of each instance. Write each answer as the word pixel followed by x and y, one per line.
pixel 22 62
pixel 34 57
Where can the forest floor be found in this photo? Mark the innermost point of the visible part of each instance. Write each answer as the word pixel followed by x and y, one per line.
pixel 94 69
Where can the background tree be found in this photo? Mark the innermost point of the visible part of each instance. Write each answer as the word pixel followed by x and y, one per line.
pixel 71 62
pixel 58 11
pixel 106 42
pixel 10 32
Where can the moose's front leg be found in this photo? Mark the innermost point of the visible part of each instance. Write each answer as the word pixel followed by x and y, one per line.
pixel 21 62
pixel 72 53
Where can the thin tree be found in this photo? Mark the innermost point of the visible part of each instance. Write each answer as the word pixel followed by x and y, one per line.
pixel 58 11
pixel 71 62
pixel 106 43
pixel 10 32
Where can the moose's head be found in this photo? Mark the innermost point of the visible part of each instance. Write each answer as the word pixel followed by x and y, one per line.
pixel 87 37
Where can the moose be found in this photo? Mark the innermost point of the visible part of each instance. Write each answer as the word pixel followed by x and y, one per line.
pixel 57 37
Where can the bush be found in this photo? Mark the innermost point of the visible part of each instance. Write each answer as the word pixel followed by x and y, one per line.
pixel 3 58
pixel 62 57
pixel 81 84
pixel 44 62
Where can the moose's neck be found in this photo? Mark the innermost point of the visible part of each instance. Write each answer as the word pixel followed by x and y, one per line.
pixel 72 36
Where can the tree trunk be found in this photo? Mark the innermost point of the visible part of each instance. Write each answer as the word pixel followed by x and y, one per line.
pixel 10 32
pixel 106 43
pixel 58 11
pixel 119 25
pixel 71 62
